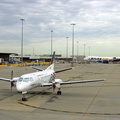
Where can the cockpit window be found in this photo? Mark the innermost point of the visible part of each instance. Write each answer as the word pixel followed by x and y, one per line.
pixel 31 79
pixel 24 79
pixel 20 79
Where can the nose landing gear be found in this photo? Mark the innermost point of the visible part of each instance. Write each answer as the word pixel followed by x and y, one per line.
pixel 24 98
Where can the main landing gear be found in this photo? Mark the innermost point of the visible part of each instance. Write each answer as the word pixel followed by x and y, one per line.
pixel 59 92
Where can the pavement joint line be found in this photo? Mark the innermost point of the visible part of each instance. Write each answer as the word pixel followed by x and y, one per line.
pixel 6 97
pixel 63 111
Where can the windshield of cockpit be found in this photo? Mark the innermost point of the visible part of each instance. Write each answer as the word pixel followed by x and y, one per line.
pixel 26 79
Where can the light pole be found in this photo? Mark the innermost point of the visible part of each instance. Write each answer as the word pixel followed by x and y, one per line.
pixel 77 50
pixel 73 45
pixel 89 50
pixel 22 41
pixel 33 51
pixel 51 41
pixel 67 49
pixel 84 49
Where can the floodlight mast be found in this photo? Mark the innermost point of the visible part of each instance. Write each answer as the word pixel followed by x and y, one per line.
pixel 22 41
pixel 51 42
pixel 73 45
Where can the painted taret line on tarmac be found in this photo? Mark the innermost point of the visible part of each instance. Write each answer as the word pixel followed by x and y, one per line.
pixel 63 111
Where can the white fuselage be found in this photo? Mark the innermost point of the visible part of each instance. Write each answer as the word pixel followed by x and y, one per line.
pixel 32 80
pixel 96 58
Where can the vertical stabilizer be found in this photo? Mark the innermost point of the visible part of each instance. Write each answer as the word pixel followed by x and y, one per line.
pixel 51 67
pixel 53 58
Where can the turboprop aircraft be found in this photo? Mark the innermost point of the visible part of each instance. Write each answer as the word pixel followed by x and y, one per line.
pixel 41 78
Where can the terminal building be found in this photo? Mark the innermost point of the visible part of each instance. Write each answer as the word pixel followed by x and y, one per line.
pixel 39 58
pixel 5 57
pixel 12 58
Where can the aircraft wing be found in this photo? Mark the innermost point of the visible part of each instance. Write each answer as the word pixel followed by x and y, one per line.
pixel 4 79
pixel 46 84
pixel 73 82
pixel 84 81
pixel 10 80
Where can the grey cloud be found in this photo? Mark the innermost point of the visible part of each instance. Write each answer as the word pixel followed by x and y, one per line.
pixel 93 18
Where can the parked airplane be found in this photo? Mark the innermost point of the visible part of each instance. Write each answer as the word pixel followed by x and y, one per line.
pixel 101 59
pixel 40 79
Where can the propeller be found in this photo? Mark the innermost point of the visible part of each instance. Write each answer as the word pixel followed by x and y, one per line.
pixel 12 83
pixel 54 87
pixel 53 82
pixel 56 83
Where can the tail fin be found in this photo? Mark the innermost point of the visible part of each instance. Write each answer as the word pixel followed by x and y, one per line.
pixel 53 58
pixel 51 67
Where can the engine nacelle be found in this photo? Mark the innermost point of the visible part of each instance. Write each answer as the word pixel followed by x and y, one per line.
pixel 13 83
pixel 57 82
pixel 15 79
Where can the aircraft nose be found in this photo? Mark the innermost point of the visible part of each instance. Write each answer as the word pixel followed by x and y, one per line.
pixel 85 58
pixel 19 87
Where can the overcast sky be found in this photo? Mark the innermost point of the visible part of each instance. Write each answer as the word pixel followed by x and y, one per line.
pixel 97 26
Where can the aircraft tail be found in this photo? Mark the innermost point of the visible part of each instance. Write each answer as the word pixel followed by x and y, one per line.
pixel 53 58
pixel 51 67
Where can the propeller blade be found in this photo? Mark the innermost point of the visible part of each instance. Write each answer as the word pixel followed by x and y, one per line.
pixel 12 84
pixel 11 74
pixel 54 87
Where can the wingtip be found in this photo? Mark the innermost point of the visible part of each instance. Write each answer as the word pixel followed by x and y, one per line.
pixel 103 79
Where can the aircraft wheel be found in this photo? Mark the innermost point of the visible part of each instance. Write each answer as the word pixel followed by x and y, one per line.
pixel 24 99
pixel 19 92
pixel 59 92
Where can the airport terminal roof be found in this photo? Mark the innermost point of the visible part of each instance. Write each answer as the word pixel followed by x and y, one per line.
pixel 7 53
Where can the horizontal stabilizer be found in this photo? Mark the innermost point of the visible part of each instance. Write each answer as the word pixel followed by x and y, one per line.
pixel 37 69
pixel 63 70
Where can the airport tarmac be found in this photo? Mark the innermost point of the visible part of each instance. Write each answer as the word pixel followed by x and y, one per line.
pixel 88 101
